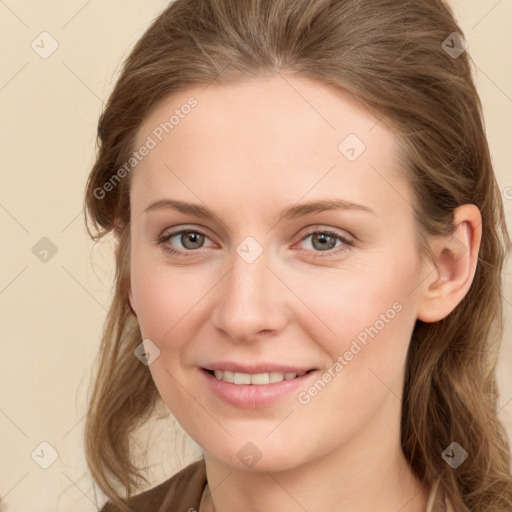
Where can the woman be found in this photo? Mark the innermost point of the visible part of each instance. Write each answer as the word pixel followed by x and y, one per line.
pixel 310 240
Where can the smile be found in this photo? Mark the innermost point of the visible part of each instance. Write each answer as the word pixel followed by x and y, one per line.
pixel 257 379
pixel 255 390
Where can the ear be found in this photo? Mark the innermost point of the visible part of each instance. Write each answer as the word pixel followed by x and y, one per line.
pixel 456 260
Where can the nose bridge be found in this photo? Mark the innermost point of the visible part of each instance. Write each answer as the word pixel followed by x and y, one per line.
pixel 249 300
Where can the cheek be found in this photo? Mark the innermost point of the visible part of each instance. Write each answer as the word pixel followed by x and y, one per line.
pixel 156 301
pixel 366 320
pixel 165 301
pixel 168 301
pixel 345 304
pixel 372 326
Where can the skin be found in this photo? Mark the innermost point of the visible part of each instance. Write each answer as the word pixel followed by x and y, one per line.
pixel 247 151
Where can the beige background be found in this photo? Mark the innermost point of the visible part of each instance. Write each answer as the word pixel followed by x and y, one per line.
pixel 53 311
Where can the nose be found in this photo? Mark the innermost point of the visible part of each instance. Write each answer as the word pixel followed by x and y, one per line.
pixel 251 300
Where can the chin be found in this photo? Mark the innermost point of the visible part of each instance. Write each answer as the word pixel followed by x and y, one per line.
pixel 256 458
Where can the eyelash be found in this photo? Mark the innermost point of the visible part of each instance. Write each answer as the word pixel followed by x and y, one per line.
pixel 161 241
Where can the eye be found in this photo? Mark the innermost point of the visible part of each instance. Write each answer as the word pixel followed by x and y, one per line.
pixel 322 241
pixel 190 239
pixel 325 241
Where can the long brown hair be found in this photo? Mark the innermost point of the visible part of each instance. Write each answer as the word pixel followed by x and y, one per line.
pixel 393 57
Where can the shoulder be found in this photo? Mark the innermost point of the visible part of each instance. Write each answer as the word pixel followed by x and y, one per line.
pixel 180 492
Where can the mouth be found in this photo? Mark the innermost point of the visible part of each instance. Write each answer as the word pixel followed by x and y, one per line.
pixel 256 390
pixel 255 379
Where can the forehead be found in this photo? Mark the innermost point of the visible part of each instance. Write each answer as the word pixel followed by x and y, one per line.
pixel 278 137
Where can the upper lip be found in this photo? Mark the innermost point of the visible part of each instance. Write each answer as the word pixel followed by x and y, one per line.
pixel 256 368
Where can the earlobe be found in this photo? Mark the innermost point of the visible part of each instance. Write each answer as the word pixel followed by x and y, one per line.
pixel 456 259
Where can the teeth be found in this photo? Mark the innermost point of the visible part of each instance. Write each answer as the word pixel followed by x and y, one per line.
pixel 276 376
pixel 241 378
pixel 256 378
pixel 226 376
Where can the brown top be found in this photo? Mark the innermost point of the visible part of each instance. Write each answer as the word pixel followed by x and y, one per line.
pixel 180 493
pixel 185 491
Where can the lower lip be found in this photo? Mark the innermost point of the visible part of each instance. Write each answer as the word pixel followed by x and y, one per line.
pixel 252 396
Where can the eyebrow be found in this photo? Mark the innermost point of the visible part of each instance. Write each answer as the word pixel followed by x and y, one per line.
pixel 290 212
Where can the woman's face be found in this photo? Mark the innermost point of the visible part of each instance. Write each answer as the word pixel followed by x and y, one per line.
pixel 263 283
